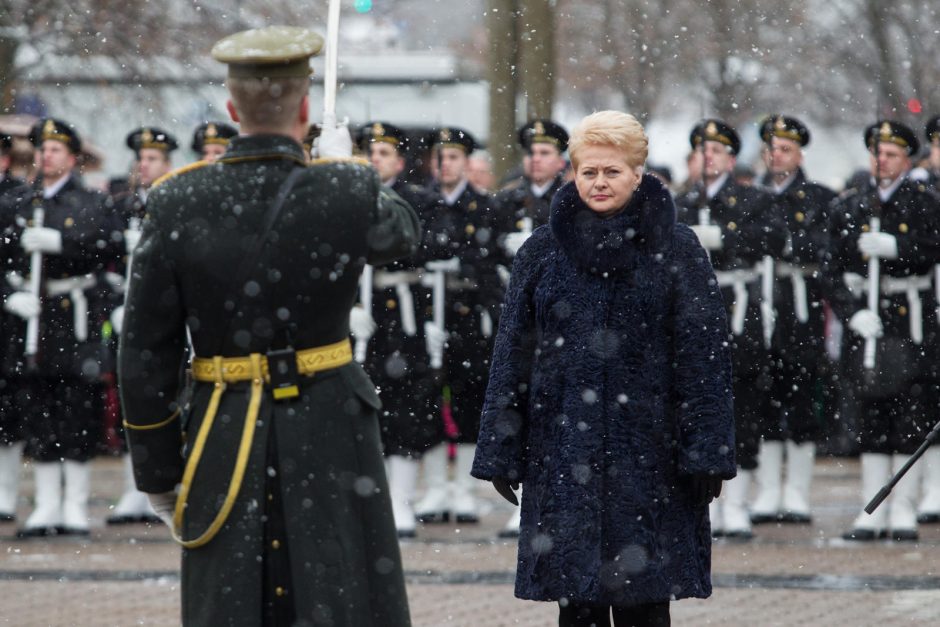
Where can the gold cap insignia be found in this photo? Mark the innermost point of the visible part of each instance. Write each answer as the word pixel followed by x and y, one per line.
pixel 212 131
pixel 886 130
pixel 445 135
pixel 780 124
pixel 539 128
pixel 48 128
pixel 378 130
pixel 711 130
pixel 146 137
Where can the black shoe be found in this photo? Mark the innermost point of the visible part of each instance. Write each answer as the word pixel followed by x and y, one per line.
pixel 132 519
pixel 718 533
pixel 468 518
pixel 74 531
pixel 509 534
pixel 763 519
pixel 904 535
pixel 407 534
pixel 930 518
pixel 864 535
pixel 795 518
pixel 433 518
pixel 38 532
pixel 7 518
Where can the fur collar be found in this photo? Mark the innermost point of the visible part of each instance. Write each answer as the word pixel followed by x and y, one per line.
pixel 600 245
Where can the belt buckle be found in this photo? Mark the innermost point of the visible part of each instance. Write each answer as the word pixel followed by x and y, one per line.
pixel 282 370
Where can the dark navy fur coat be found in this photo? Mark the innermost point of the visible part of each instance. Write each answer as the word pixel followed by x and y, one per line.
pixel 610 387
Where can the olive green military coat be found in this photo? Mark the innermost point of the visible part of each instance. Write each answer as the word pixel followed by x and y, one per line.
pixel 344 559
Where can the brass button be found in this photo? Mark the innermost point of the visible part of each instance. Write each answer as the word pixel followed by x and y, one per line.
pixel 902 310
pixel 520 224
pixel 732 226
pixel 732 201
pixel 470 229
pixel 390 303
pixel 865 228
pixel 275 544
pixel 66 303
pixel 69 222
pixel 270 497
pixel 279 591
pixel 903 228
pixel 801 194
pixel 800 216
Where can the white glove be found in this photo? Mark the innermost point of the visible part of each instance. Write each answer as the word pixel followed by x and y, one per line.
pixel 434 339
pixel 164 505
pixel 514 241
pixel 117 319
pixel 131 237
pixel 361 324
pixel 42 239
pixel 883 245
pixel 866 323
pixel 709 235
pixel 22 304
pixel 334 140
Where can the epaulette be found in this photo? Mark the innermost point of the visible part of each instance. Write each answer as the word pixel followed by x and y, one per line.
pixel 329 160
pixel 186 168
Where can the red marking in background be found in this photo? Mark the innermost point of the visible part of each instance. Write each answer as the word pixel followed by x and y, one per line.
pixel 914 106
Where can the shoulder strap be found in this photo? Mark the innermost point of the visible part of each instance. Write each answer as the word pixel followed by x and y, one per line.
pixel 257 246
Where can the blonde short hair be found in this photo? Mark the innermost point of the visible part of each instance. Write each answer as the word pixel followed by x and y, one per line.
pixel 267 102
pixel 610 128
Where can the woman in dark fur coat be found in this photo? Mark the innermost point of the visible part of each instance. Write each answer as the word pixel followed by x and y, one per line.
pixel 610 393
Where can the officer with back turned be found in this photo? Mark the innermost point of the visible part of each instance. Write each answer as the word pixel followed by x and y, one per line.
pixel 283 508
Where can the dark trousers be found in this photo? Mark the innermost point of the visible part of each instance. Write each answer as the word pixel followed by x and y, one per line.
pixel 646 615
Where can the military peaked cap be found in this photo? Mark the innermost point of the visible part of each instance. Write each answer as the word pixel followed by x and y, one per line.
pixel 784 127
pixel 271 52
pixel 151 137
pixel 892 132
pixel 710 130
pixel 51 128
pixel 382 132
pixel 218 133
pixel 452 137
pixel 933 128
pixel 543 132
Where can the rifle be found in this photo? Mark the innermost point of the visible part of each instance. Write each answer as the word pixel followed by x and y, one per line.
pixel 35 288
pixel 883 493
pixel 365 299
pixel 330 63
pixel 439 268
pixel 874 263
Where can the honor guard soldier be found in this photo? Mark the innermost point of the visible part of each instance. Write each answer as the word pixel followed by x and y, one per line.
pixel 929 509
pixel 59 241
pixel 211 140
pixel 524 204
pixel 11 434
pixel 283 510
pixel 152 148
pixel 799 332
pixel 884 242
pixel 460 257
pixel 398 358
pixel 741 228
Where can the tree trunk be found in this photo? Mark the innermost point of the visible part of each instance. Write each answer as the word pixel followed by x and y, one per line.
pixel 500 25
pixel 535 32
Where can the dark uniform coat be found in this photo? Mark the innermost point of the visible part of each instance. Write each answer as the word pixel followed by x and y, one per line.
pixel 896 412
pixel 610 388
pixel 799 344
pixel 398 361
pixel 11 189
pixel 466 230
pixel 311 526
pixel 62 410
pixel 751 227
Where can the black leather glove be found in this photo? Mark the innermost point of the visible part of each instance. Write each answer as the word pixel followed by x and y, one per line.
pixel 705 488
pixel 505 488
